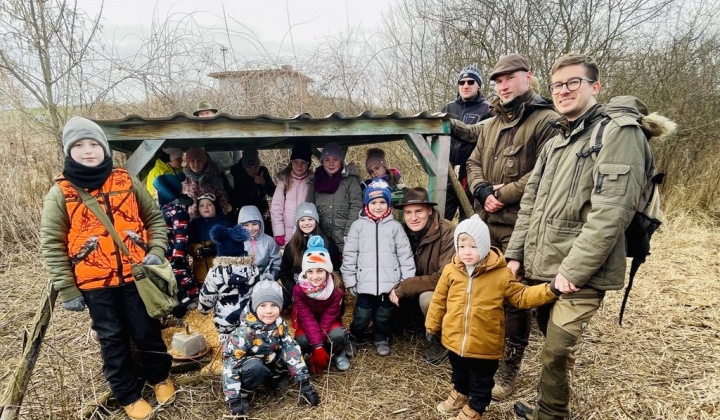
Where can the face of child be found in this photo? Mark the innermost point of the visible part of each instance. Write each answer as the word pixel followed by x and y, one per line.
pixel 206 208
pixel 176 163
pixel 196 164
pixel 332 165
pixel 87 152
pixel 306 224
pixel 253 228
pixel 268 312
pixel 377 207
pixel 316 276
pixel 252 170
pixel 299 167
pixel 467 250
pixel 377 171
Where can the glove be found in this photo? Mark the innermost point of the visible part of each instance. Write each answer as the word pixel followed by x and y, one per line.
pixel 267 277
pixel 152 259
pixel 433 338
pixel 308 395
pixel 280 240
pixel 482 192
pixel 75 304
pixel 352 290
pixel 319 360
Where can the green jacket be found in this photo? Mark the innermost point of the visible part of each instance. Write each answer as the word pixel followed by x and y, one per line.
pixel 576 208
pixel 505 153
pixel 55 228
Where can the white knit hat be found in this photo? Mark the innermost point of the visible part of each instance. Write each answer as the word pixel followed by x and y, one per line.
pixel 476 228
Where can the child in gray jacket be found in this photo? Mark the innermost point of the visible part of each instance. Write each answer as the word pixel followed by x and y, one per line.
pixel 377 256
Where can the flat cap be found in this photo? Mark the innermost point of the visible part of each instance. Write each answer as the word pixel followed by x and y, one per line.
pixel 508 64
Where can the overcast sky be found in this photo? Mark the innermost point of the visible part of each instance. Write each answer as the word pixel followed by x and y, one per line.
pixel 270 20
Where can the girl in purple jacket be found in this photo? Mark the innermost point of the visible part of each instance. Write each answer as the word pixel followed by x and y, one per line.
pixel 317 310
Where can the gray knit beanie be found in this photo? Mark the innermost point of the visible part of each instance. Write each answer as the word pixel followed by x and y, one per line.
pixel 476 228
pixel 306 210
pixel 266 291
pixel 79 128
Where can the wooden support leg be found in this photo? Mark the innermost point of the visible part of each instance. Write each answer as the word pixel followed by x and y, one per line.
pixel 440 146
pixel 142 155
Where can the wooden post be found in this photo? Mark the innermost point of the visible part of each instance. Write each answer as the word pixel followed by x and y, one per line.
pixel 17 384
pixel 465 205
pixel 440 146
pixel 142 155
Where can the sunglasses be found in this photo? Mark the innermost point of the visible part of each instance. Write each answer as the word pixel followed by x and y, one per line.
pixel 469 82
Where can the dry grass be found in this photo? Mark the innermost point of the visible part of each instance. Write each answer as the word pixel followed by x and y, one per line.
pixel 662 364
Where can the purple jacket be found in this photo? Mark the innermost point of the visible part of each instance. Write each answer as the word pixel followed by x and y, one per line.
pixel 316 316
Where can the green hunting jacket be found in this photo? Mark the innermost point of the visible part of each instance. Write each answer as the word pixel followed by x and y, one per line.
pixel 506 150
pixel 577 204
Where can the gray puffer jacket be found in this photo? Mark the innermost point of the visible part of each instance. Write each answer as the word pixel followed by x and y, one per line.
pixel 338 210
pixel 263 247
pixel 377 255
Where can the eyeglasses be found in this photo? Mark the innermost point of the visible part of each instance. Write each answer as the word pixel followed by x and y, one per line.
pixel 469 82
pixel 572 84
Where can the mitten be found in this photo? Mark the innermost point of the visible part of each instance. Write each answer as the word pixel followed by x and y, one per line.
pixel 308 395
pixel 152 259
pixel 319 360
pixel 75 304
pixel 280 240
pixel 352 290
pixel 267 277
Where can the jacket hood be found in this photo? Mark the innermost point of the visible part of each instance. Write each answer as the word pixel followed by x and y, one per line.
pixel 225 260
pixel 494 260
pixel 249 214
pixel 535 102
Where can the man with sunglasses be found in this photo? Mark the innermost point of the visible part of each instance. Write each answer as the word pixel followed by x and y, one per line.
pixel 471 107
pixel 498 169
pixel 570 228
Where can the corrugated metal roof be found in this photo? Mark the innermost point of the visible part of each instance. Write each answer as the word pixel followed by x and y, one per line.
pixel 335 116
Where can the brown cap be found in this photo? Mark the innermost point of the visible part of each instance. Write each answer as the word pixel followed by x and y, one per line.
pixel 509 64
pixel 417 195
pixel 204 106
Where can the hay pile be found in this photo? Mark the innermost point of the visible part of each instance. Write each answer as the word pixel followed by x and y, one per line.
pixel 662 364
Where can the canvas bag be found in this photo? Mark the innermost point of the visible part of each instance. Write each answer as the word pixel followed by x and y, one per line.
pixel 155 283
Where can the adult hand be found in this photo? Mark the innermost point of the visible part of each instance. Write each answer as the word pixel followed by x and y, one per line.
pixel 564 285
pixel 152 259
pixel 75 304
pixel 515 267
pixel 394 298
pixel 492 204
pixel 259 179
pixel 280 240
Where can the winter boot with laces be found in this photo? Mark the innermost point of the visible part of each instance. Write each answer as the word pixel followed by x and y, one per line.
pixel 138 410
pixel 164 391
pixel 453 403
pixel 508 371
pixel 341 361
pixel 467 413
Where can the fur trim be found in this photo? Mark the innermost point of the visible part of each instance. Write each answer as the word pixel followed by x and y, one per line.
pixel 246 260
pixel 658 125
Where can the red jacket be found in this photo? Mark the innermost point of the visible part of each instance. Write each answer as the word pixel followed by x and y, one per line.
pixel 315 317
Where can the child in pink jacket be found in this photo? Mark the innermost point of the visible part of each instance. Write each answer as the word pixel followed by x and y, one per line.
pixel 292 188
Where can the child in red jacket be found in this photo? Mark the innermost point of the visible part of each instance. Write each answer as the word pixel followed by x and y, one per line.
pixel 317 310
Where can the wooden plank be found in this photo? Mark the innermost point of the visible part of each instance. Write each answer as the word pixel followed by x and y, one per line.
pixel 465 205
pixel 142 156
pixel 440 146
pixel 423 152
pixel 17 384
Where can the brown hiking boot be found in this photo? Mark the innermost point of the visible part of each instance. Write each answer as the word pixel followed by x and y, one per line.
pixel 453 403
pixel 139 410
pixel 164 391
pixel 467 413
pixel 508 371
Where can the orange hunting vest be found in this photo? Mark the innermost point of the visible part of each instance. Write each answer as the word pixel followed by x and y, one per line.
pixel 96 259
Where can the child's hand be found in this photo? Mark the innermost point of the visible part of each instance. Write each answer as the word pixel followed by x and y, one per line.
pixel 352 290
pixel 319 360
pixel 308 395
pixel 280 240
pixel 432 338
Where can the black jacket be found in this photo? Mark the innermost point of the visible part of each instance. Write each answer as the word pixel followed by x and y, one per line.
pixel 469 112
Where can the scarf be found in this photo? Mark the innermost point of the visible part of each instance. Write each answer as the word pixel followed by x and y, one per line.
pixel 512 109
pixel 375 218
pixel 321 292
pixel 91 178
pixel 326 183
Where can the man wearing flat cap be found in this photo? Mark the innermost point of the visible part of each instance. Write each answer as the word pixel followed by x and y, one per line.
pixel 498 169
pixel 470 106
pixel 431 240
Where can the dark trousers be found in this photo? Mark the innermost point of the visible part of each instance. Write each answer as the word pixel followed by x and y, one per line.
pixel 474 378
pixel 452 203
pixel 118 316
pixel 372 308
pixel 334 342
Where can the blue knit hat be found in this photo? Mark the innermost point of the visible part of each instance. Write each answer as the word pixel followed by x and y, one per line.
pixel 316 256
pixel 471 72
pixel 168 187
pixel 378 188
pixel 229 241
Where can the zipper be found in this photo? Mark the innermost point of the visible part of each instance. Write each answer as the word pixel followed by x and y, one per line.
pixel 467 311
pixel 377 259
pixel 106 199
pixel 575 180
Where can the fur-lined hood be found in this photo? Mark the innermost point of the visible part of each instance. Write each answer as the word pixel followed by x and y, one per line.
pixel 225 260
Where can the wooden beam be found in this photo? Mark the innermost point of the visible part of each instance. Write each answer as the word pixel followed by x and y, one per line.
pixel 440 146
pixel 142 155
pixel 16 386
pixel 423 152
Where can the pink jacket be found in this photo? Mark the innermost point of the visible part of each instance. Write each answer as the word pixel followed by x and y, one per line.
pixel 284 203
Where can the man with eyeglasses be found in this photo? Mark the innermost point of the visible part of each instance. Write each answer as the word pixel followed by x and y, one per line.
pixel 570 228
pixel 498 169
pixel 471 107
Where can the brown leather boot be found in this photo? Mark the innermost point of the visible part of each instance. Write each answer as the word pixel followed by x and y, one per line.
pixel 508 371
pixel 139 410
pixel 467 413
pixel 453 403
pixel 164 391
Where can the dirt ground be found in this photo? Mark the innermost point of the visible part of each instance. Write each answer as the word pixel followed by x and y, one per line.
pixel 661 364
